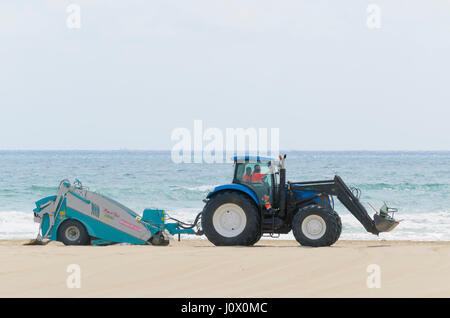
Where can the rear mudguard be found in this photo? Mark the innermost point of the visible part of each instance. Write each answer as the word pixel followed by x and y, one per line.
pixel 236 187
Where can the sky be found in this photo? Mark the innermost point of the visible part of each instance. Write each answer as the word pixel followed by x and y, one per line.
pixel 137 70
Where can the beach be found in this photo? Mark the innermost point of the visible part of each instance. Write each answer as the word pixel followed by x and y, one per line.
pixel 196 268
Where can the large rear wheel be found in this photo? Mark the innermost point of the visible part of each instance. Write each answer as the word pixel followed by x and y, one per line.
pixel 231 218
pixel 316 226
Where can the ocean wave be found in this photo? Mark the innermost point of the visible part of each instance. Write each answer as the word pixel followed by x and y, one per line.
pixel 425 226
pixel 202 188
pixel 16 225
pixel 42 188
pixel 404 186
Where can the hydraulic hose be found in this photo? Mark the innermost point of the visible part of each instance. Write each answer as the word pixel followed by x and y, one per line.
pixel 184 225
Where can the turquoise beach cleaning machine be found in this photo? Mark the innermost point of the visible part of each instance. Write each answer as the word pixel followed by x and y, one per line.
pixel 77 216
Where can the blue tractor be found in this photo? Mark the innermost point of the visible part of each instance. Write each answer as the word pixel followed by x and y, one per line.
pixel 260 201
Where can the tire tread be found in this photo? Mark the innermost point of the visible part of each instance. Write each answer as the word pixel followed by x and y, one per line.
pixel 252 231
pixel 332 220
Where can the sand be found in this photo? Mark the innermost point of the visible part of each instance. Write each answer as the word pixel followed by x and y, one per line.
pixel 195 268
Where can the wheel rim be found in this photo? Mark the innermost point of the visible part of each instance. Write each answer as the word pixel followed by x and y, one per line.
pixel 72 233
pixel 229 220
pixel 314 227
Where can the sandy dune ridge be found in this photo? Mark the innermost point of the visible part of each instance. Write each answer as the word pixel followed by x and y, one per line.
pixel 196 268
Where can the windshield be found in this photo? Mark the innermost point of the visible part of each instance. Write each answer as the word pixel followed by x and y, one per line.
pixel 252 171
pixel 257 175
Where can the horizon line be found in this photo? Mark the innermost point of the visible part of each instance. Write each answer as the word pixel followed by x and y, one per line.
pixel 284 150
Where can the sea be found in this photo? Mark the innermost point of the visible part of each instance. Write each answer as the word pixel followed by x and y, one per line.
pixel 415 182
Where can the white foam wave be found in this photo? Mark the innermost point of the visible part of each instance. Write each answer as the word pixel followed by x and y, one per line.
pixel 17 225
pixel 431 226
pixel 202 188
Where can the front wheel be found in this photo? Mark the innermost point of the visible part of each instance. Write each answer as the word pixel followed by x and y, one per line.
pixel 316 226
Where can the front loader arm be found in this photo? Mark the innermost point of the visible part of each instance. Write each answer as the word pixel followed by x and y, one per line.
pixel 338 188
pixel 345 195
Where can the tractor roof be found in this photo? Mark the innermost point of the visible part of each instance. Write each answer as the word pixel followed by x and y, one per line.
pixel 253 158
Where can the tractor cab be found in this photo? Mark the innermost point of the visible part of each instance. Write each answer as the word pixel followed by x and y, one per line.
pixel 259 174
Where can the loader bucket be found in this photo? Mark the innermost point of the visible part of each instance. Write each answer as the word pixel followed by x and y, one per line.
pixel 384 224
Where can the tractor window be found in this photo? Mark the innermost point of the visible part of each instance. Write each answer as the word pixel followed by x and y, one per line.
pixel 257 176
pixel 252 172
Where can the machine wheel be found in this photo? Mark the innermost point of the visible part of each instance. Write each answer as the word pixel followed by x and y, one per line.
pixel 159 239
pixel 316 226
pixel 231 218
pixel 72 232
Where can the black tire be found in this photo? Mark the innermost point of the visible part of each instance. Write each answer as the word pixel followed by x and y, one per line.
pixel 256 240
pixel 158 239
pixel 80 235
pixel 325 237
pixel 339 224
pixel 250 234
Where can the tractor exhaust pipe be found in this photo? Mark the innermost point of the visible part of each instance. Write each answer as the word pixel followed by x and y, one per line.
pixel 281 188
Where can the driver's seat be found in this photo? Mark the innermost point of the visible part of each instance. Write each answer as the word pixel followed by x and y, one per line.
pixel 260 189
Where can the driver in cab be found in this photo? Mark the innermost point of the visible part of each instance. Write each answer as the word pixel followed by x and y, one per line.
pixel 257 176
pixel 248 175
